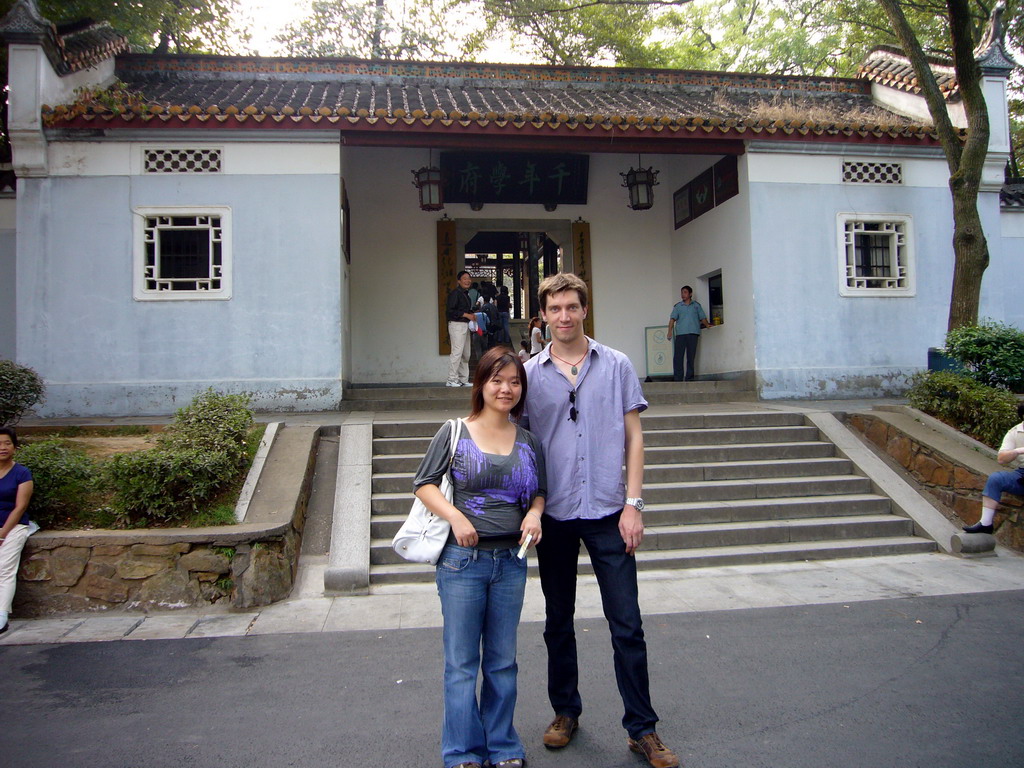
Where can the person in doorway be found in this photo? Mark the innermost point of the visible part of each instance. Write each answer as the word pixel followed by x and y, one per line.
pixel 684 326
pixel 499 487
pixel 504 305
pixel 494 331
pixel 15 492
pixel 583 403
pixel 474 295
pixel 524 351
pixel 998 483
pixel 459 312
pixel 536 337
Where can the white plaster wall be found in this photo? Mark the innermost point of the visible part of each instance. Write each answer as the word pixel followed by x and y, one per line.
pixel 394 333
pixel 810 341
pixel 718 240
pixel 1003 284
pixel 8 309
pixel 102 353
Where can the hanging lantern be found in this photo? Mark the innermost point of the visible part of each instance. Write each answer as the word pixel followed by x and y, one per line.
pixel 429 182
pixel 641 183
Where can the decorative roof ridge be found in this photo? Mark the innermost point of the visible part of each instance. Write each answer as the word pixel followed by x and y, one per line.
pixel 70 49
pixel 991 53
pixel 888 65
pixel 216 65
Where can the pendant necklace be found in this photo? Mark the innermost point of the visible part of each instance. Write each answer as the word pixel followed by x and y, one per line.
pixel 573 367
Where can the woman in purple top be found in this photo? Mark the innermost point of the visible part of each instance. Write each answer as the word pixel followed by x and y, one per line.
pixel 499 485
pixel 15 492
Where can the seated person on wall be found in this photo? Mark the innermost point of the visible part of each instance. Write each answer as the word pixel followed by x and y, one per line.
pixel 1003 482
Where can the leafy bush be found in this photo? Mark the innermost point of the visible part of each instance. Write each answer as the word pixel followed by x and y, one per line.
pixel 992 353
pixel 64 478
pixel 211 422
pixel 20 389
pixel 202 452
pixel 162 484
pixel 985 413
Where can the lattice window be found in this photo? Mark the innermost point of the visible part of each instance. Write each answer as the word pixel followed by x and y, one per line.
pixel 875 255
pixel 182 160
pixel 183 254
pixel 873 173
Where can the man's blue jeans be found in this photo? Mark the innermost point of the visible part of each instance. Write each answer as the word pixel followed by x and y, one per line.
pixel 557 556
pixel 481 599
pixel 506 329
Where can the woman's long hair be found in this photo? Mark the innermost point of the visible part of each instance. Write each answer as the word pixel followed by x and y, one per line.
pixel 494 360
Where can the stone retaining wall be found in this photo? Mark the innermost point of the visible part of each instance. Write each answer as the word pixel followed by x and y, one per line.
pixel 245 565
pixel 954 484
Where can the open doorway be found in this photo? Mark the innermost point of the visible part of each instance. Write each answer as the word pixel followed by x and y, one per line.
pixel 513 262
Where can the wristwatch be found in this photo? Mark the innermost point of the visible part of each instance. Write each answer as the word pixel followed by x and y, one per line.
pixel 636 503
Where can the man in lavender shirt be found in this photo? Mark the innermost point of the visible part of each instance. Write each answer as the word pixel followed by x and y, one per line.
pixel 584 402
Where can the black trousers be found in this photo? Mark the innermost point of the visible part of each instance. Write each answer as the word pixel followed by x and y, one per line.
pixel 684 345
pixel 557 557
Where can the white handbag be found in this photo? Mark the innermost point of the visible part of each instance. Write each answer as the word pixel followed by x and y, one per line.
pixel 423 534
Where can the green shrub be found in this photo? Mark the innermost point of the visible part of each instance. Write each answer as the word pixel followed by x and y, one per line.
pixel 164 484
pixel 991 353
pixel 985 413
pixel 200 454
pixel 20 389
pixel 64 478
pixel 212 422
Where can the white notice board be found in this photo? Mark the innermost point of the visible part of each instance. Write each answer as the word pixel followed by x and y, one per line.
pixel 659 351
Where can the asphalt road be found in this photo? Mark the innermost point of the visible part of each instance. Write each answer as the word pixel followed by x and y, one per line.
pixel 914 682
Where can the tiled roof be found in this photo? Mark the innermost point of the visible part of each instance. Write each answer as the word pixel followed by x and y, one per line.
pixel 207 91
pixel 1012 194
pixel 69 48
pixel 890 66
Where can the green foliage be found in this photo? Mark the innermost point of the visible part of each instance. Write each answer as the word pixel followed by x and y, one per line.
pixel 984 413
pixel 211 423
pixel 225 584
pixel 420 30
pixel 225 552
pixel 20 390
pixel 992 353
pixel 164 484
pixel 200 454
pixel 162 26
pixel 64 479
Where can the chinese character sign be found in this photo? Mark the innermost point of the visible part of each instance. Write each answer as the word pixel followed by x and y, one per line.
pixel 514 177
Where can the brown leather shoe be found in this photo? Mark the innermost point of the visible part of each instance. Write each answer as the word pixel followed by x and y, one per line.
pixel 560 732
pixel 654 750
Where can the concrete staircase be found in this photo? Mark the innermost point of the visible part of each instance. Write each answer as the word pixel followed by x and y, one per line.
pixel 421 398
pixel 721 489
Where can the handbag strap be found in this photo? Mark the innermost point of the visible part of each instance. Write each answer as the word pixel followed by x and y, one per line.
pixel 456 433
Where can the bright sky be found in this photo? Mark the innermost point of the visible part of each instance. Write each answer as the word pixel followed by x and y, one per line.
pixel 267 18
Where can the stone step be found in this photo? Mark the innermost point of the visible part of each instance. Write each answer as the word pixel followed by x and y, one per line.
pixel 403 573
pixel 427 428
pixel 660 438
pixel 701 513
pixel 434 397
pixel 738 534
pixel 395 502
pixel 397 482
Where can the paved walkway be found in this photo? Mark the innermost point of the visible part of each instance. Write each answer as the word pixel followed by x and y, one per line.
pixel 661 592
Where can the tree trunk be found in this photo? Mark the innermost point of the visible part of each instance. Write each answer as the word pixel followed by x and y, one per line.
pixel 971 250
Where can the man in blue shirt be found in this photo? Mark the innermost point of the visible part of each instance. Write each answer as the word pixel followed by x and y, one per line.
pixel 684 325
pixel 584 402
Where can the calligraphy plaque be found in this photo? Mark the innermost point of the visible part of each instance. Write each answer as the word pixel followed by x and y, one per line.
pixel 515 177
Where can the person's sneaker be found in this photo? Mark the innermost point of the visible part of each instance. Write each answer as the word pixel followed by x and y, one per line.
pixel 560 732
pixel 654 751
pixel 452 384
pixel 978 528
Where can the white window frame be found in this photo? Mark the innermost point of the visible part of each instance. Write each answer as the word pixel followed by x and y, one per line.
pixel 902 243
pixel 140 289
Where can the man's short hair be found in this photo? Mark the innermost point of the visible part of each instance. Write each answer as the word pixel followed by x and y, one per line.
pixel 686 288
pixel 459 276
pixel 563 281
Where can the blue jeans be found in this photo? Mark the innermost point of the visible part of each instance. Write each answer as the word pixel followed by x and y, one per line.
pixel 557 556
pixel 999 483
pixel 481 595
